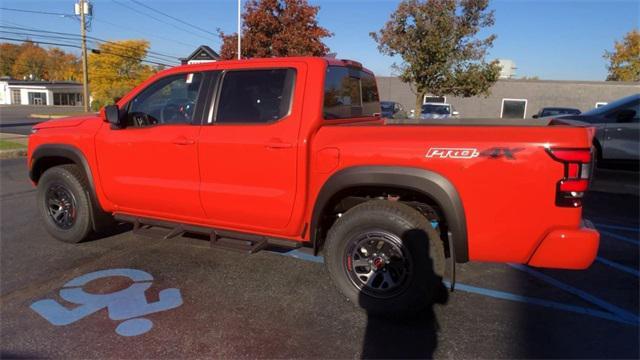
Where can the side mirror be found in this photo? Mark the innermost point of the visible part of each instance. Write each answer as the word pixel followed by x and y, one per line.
pixel 112 116
pixel 535 116
pixel 625 115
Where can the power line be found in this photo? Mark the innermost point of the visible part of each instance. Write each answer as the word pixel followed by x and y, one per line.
pixel 29 38
pixel 158 19
pixel 78 47
pixel 146 34
pixel 174 18
pixel 77 37
pixel 35 12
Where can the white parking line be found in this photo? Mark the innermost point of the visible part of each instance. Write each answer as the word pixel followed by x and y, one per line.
pixel 609 235
pixel 617 266
pixel 621 313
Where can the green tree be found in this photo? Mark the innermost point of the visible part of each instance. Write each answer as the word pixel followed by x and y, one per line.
pixel 624 61
pixel 277 28
pixel 31 63
pixel 117 69
pixel 8 55
pixel 437 42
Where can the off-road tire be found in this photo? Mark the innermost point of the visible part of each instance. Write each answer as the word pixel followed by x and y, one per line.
pixel 72 179
pixel 427 255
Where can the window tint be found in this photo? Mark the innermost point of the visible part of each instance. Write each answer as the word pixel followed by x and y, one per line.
pixel 349 93
pixel 633 106
pixel 170 100
pixel 514 108
pixel 436 109
pixel 256 96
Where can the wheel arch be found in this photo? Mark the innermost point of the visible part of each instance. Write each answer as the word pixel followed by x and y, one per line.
pixel 49 155
pixel 425 182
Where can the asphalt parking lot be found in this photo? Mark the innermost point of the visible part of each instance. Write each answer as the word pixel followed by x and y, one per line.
pixel 222 304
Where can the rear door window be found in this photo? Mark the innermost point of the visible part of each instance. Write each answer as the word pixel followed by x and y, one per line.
pixel 255 96
pixel 349 93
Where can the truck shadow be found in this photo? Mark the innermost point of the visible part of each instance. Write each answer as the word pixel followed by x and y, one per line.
pixel 414 335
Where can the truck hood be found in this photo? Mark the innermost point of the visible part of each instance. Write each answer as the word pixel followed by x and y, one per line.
pixel 63 122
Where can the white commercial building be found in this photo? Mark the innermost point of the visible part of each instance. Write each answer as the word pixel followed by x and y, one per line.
pixel 29 92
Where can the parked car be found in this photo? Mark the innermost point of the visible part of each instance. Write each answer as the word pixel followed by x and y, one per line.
pixel 251 153
pixel 392 109
pixel 617 130
pixel 555 111
pixel 437 111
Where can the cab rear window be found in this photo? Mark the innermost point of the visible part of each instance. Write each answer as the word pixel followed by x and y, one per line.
pixel 349 93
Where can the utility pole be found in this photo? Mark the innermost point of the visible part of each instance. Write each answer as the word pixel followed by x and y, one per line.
pixel 239 29
pixel 85 70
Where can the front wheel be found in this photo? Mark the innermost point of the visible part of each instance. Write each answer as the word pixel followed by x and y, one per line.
pixel 386 257
pixel 64 204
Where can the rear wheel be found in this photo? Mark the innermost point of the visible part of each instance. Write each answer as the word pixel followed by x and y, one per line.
pixel 386 257
pixel 64 204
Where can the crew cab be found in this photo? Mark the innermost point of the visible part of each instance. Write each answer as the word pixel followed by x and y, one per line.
pixel 293 152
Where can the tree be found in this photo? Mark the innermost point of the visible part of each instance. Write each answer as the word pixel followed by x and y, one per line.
pixel 277 28
pixel 117 69
pixel 436 40
pixel 8 55
pixel 31 63
pixel 624 61
pixel 63 66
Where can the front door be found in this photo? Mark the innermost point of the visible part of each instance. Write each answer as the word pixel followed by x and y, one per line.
pixel 150 167
pixel 249 148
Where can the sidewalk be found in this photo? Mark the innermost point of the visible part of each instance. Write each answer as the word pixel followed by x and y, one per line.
pixel 13 145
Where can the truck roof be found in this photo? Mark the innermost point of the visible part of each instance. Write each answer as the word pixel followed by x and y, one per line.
pixel 275 60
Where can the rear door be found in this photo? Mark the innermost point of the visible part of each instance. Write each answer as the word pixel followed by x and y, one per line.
pixel 248 147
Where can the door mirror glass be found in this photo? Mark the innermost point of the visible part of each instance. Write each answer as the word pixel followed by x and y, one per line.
pixel 112 116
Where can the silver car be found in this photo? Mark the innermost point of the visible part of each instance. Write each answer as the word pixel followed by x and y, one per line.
pixel 617 129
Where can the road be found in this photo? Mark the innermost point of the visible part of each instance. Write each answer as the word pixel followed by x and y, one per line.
pixel 16 119
pixel 274 304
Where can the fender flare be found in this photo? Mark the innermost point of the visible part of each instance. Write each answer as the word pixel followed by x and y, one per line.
pixel 99 219
pixel 429 183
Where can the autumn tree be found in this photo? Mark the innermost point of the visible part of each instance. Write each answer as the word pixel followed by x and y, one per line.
pixel 437 42
pixel 63 66
pixel 624 61
pixel 31 63
pixel 117 69
pixel 277 28
pixel 8 55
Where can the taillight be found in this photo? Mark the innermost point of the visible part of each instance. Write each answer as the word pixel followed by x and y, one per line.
pixel 577 170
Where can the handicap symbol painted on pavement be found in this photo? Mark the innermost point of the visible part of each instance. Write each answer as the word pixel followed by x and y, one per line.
pixel 129 304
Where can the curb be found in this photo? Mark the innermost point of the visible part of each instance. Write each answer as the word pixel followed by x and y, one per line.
pixel 45 116
pixel 13 153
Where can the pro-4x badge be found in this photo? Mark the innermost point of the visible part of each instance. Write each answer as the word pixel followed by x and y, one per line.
pixel 453 153
pixel 470 153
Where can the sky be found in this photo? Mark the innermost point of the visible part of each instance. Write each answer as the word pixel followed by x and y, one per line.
pixel 550 39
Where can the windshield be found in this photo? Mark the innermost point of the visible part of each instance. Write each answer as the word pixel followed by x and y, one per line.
pixel 435 109
pixel 605 109
pixel 560 111
pixel 386 106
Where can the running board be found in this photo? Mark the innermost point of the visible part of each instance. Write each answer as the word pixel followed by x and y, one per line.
pixel 223 239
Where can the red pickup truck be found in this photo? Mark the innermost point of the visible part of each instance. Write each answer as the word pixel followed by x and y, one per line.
pixel 293 152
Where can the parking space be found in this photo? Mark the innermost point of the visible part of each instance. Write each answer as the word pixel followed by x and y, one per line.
pixel 202 302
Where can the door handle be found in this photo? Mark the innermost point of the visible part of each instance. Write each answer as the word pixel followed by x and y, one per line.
pixel 184 141
pixel 278 145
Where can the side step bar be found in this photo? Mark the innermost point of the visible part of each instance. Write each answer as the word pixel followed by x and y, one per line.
pixel 224 239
